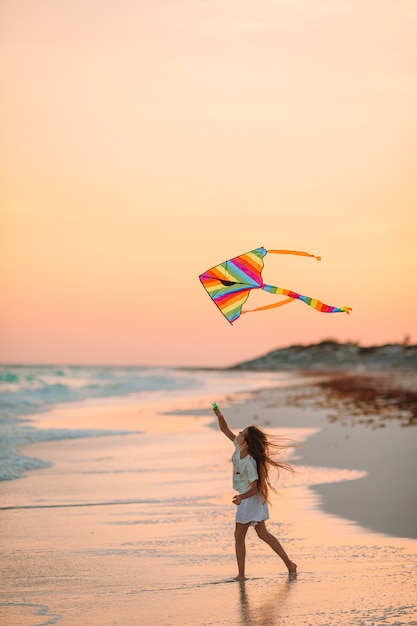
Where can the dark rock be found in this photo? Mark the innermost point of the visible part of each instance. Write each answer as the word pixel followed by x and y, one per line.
pixel 332 355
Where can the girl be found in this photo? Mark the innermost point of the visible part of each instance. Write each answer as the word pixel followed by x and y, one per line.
pixel 251 463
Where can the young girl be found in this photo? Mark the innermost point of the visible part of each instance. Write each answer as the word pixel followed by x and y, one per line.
pixel 251 463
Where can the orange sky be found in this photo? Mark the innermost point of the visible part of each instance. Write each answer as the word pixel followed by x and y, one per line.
pixel 144 142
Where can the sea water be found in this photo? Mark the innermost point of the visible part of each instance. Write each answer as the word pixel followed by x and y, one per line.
pixel 28 390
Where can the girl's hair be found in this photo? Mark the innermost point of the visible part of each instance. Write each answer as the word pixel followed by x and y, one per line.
pixel 263 448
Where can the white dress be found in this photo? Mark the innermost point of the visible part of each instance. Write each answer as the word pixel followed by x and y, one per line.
pixel 252 509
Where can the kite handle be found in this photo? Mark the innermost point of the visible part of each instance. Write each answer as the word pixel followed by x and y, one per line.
pixel 294 252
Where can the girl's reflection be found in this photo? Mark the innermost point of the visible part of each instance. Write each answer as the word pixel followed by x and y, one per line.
pixel 268 610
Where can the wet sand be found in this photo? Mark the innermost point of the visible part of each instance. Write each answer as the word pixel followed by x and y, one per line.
pixel 138 529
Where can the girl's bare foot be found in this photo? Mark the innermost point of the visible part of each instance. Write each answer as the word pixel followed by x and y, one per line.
pixel 240 578
pixel 292 569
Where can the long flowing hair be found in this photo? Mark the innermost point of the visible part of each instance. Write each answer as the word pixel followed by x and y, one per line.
pixel 263 448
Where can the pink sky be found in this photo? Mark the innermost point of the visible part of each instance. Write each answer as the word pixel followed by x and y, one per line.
pixel 144 142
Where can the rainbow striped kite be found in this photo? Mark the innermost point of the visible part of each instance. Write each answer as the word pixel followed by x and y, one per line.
pixel 229 284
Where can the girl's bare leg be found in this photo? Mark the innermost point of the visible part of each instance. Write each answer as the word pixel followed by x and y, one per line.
pixel 273 542
pixel 240 546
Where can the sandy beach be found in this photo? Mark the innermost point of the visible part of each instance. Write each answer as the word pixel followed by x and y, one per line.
pixel 137 529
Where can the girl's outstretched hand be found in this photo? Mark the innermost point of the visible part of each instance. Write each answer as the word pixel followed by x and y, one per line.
pixel 222 423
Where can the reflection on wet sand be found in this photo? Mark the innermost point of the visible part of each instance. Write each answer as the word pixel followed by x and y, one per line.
pixel 264 611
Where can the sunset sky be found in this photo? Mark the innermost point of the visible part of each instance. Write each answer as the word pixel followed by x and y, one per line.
pixel 144 142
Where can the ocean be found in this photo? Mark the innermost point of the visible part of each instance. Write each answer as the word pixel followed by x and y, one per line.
pixel 27 390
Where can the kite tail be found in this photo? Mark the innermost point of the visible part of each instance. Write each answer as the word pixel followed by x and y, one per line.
pixel 268 306
pixel 294 252
pixel 316 304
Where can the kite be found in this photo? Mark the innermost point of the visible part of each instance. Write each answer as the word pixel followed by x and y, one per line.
pixel 230 283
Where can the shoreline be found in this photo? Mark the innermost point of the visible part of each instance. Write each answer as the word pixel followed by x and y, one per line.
pixel 342 421
pixel 142 524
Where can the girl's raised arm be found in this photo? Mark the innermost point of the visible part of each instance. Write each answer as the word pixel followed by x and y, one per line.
pixel 223 424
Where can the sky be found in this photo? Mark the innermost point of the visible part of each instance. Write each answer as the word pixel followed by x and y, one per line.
pixel 144 142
